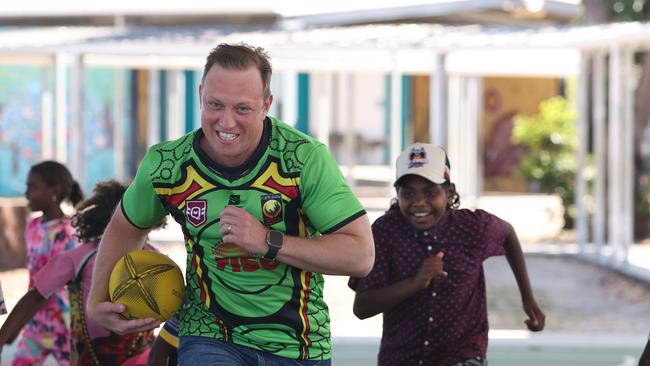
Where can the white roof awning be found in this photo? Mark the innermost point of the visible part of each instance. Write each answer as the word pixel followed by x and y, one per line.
pixel 549 51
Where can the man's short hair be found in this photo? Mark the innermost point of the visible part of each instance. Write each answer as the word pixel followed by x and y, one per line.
pixel 240 57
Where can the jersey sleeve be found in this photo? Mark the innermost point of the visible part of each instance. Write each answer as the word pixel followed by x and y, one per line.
pixel 57 272
pixel 169 331
pixel 140 204
pixel 327 200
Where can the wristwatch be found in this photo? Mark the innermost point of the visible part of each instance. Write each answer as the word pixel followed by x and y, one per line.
pixel 274 239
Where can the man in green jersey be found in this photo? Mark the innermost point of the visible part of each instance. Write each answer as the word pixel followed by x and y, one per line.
pixel 265 212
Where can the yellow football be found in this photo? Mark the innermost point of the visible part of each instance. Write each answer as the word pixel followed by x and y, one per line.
pixel 149 284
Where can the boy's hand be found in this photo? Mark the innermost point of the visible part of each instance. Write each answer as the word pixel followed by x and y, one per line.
pixel 536 317
pixel 432 267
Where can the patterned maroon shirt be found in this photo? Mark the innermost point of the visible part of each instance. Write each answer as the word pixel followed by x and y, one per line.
pixel 447 322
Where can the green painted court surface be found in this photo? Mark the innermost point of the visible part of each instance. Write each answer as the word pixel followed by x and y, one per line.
pixel 362 352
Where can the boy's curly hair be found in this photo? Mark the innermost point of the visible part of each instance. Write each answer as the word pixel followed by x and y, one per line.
pixel 94 213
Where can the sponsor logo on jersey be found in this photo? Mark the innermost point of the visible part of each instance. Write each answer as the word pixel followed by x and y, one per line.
pixel 271 208
pixel 231 257
pixel 195 212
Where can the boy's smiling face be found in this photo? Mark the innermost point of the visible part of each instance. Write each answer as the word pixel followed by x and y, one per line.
pixel 421 201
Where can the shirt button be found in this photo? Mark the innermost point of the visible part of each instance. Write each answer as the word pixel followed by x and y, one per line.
pixel 430 319
pixel 435 236
pixel 420 362
pixel 426 343
pixel 434 294
pixel 429 248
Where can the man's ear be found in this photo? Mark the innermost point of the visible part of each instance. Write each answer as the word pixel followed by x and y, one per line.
pixel 201 96
pixel 267 104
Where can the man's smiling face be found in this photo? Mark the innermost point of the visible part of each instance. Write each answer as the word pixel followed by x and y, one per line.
pixel 233 108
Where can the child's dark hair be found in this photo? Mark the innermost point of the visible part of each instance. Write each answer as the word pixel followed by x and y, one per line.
pixel 56 174
pixel 453 203
pixel 94 213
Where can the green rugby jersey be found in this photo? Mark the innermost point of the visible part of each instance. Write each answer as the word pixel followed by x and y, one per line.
pixel 291 183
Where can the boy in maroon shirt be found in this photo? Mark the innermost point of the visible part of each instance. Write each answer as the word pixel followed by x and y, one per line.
pixel 428 278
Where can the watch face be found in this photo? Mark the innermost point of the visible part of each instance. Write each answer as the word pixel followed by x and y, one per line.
pixel 275 238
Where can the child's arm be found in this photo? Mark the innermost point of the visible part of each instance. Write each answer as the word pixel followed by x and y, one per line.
pixel 515 256
pixel 24 310
pixel 372 302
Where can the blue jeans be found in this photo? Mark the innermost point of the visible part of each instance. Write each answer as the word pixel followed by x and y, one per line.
pixel 195 351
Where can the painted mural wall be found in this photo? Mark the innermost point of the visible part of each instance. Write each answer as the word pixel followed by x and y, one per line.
pixel 27 125
pixel 503 99
pixel 21 88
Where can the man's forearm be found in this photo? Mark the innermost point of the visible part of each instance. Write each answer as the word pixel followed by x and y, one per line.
pixel 349 251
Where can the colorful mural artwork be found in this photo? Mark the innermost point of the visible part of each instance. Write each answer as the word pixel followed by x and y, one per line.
pixel 99 121
pixel 503 99
pixel 20 125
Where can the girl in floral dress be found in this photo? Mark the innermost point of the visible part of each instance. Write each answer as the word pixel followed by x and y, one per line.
pixel 49 183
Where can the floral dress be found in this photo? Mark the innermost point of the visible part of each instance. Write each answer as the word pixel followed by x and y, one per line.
pixel 46 333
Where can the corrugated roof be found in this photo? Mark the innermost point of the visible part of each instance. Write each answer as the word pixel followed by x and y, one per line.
pixel 302 47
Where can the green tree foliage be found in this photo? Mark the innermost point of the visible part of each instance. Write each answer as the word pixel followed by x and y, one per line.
pixel 551 139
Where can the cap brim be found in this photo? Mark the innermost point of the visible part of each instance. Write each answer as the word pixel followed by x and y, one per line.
pixel 397 181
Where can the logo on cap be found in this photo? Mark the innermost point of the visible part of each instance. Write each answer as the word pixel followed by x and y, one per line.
pixel 417 157
pixel 195 212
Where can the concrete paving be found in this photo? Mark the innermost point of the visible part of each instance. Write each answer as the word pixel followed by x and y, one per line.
pixel 356 342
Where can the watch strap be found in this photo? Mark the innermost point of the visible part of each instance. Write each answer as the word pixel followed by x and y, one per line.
pixel 271 253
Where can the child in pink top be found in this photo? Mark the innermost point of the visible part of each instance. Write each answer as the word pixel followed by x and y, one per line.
pixel 48 184
pixel 92 345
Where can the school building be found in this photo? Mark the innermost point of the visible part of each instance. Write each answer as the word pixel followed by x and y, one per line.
pixel 95 96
